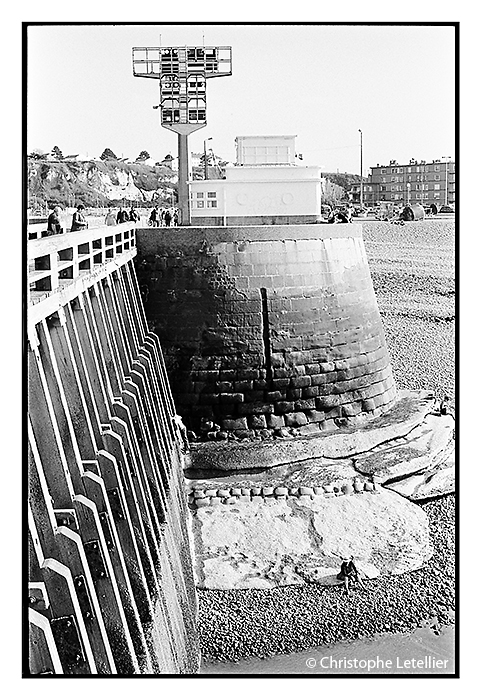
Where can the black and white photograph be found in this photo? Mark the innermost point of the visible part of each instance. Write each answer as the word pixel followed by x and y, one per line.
pixel 240 333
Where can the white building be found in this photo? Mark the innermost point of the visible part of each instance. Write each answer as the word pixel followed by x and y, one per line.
pixel 266 186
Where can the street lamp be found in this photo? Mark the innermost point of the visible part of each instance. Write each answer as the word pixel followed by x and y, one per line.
pixel 205 157
pixel 361 198
pixel 446 160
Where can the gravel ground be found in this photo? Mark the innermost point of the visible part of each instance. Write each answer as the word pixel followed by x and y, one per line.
pixel 412 267
pixel 237 624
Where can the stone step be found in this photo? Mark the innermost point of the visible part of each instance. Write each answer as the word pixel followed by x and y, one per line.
pixel 409 411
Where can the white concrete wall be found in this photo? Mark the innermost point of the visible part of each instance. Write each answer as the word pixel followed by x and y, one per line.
pixel 268 191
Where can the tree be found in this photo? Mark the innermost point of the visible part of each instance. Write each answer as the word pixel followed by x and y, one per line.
pixel 57 153
pixel 108 154
pixel 37 154
pixel 143 155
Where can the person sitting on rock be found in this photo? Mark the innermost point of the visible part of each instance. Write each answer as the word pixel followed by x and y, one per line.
pixel 349 573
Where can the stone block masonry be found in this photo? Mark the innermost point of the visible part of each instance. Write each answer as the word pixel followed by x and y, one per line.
pixel 267 321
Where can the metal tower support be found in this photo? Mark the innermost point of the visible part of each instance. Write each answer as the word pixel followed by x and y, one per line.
pixel 182 73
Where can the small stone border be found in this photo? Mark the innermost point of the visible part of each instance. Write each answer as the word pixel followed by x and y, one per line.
pixel 198 498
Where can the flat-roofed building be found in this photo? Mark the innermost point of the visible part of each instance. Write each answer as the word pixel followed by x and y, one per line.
pixel 417 182
pixel 265 186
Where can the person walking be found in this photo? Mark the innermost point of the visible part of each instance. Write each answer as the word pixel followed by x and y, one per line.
pixel 122 216
pixel 79 222
pixel 133 216
pixel 53 222
pixel 154 217
pixel 110 219
pixel 167 218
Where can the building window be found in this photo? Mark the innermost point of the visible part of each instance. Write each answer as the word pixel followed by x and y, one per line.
pixel 383 171
pixel 212 203
pixel 200 205
pixel 437 195
pixel 383 179
pixel 212 195
pixel 437 177
pixel 200 195
pixel 437 168
pixel 437 187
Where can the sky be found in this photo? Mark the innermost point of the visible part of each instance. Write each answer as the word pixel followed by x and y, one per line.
pixel 322 83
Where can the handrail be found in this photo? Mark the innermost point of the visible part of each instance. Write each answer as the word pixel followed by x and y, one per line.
pixel 59 260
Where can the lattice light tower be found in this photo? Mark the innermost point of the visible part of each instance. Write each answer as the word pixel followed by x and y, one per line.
pixel 182 73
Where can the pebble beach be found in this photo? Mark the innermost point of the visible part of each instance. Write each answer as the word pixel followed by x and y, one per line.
pixel 412 268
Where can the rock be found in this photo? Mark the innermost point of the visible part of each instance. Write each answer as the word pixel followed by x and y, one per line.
pixel 433 482
pixel 422 449
pixel 199 502
pixel 306 491
pixel 293 420
pixel 285 541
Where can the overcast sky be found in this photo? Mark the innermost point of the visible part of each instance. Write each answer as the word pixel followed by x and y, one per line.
pixel 322 83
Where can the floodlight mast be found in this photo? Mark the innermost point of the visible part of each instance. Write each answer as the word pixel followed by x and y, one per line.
pixel 182 72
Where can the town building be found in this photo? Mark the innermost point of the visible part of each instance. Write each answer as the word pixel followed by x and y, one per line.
pixel 265 186
pixel 417 182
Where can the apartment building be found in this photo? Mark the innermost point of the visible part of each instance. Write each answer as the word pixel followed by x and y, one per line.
pixel 417 182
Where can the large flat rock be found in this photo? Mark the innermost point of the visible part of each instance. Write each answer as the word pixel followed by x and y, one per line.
pixel 409 411
pixel 436 481
pixel 422 449
pixel 265 543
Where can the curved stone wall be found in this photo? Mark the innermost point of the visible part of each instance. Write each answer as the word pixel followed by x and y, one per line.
pixel 265 328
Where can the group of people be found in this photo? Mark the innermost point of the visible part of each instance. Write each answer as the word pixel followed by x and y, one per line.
pixel 54 225
pixel 79 222
pixel 164 217
pixel 121 217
